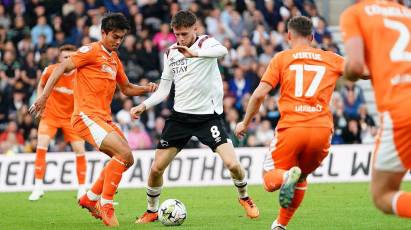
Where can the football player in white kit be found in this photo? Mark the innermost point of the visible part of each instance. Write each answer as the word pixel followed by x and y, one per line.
pixel 198 106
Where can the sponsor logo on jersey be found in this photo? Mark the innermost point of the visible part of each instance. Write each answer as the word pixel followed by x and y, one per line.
pixel 108 69
pixel 63 90
pixel 308 108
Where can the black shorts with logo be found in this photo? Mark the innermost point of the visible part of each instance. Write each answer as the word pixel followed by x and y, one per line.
pixel 180 127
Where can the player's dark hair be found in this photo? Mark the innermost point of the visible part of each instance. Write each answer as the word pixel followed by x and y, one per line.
pixel 114 21
pixel 183 18
pixel 67 48
pixel 301 25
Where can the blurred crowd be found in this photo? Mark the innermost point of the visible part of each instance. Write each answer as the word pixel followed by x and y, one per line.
pixel 253 31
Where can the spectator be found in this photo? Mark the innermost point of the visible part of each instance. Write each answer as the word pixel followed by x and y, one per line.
pixel 264 133
pixel 164 38
pixel 11 138
pixel 320 30
pixel 352 132
pixel 5 20
pixel 138 138
pixel 41 28
pixel 353 98
pixel 239 85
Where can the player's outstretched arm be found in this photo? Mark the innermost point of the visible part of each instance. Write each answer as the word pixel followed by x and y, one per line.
pixel 40 103
pixel 253 106
pixel 211 49
pixel 130 89
pixel 157 97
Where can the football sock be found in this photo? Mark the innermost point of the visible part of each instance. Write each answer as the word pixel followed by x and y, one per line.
pixel 92 196
pixel 104 201
pixel 97 187
pixel 40 163
pixel 401 204
pixel 286 213
pixel 113 173
pixel 273 179
pixel 81 168
pixel 153 198
pixel 241 187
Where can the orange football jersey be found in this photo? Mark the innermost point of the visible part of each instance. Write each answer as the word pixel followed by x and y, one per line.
pixel 60 103
pixel 98 71
pixel 385 28
pixel 307 77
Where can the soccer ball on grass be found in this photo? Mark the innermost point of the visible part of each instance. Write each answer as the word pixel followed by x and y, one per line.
pixel 172 212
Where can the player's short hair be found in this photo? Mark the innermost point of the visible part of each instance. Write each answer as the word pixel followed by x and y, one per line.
pixel 183 18
pixel 67 48
pixel 114 21
pixel 301 25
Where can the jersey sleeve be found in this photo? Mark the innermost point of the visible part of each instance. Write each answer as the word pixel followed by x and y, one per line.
pixel 83 56
pixel 167 73
pixel 350 23
pixel 45 75
pixel 210 47
pixel 272 73
pixel 121 76
pixel 338 63
pixel 208 42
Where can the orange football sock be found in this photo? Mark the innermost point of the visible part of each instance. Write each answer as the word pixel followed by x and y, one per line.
pixel 40 163
pixel 286 213
pixel 114 172
pixel 273 179
pixel 402 204
pixel 81 168
pixel 97 187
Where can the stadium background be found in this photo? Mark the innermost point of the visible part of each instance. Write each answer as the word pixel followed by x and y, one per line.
pixel 253 31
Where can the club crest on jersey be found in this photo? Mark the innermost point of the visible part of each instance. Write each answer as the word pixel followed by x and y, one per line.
pixel 84 49
pixel 108 69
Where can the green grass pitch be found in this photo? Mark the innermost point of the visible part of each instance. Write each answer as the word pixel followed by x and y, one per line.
pixel 326 206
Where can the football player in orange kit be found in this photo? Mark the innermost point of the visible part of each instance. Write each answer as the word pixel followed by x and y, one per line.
pixel 377 39
pixel 307 77
pixel 57 115
pixel 98 71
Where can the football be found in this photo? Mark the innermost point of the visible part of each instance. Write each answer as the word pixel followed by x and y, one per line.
pixel 172 212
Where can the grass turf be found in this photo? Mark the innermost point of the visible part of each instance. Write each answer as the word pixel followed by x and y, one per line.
pixel 326 206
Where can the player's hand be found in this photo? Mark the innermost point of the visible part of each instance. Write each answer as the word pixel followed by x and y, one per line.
pixel 38 106
pixel 151 87
pixel 240 130
pixel 186 51
pixel 137 110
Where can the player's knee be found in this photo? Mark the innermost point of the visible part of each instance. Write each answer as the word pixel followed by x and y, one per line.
pixel 156 170
pixel 127 158
pixel 234 167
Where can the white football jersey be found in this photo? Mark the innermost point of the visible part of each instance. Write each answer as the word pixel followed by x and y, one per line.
pixel 198 83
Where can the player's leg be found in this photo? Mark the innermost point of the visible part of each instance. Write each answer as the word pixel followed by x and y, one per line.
pixel 386 194
pixel 314 146
pixel 227 154
pixel 213 134
pixel 173 138
pixel 77 145
pixel 162 159
pixel 391 160
pixel 116 146
pixel 107 138
pixel 45 133
pixel 81 166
